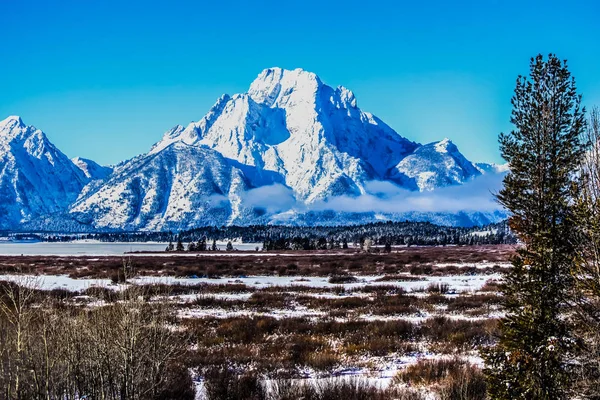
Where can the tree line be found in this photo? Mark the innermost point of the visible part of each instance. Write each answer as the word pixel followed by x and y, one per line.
pixel 312 237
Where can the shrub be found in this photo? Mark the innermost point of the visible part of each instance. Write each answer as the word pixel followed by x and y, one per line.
pixel 334 389
pixel 323 360
pixel 465 383
pixel 225 384
pixel 441 288
pixel 453 379
pixel 342 279
pixel 427 372
pixel 178 384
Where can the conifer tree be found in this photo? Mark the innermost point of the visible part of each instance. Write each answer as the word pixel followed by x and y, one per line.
pixel 202 244
pixel 179 246
pixel 531 358
pixel 388 247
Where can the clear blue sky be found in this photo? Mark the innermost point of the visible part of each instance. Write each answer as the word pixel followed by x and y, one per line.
pixel 105 79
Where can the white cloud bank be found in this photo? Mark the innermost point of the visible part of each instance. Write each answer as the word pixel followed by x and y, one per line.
pixel 385 197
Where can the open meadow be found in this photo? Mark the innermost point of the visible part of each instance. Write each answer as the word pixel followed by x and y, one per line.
pixel 407 324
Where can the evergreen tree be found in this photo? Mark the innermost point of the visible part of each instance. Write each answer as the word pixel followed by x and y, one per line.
pixel 229 246
pixel 530 360
pixel 214 245
pixel 179 246
pixel 201 244
pixel 388 247
pixel 322 244
pixel 170 246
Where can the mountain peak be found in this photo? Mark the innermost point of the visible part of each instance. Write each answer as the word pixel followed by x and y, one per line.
pixel 36 179
pixel 437 164
pixel 276 82
pixel 13 128
pixel 12 120
pixel 445 146
pixel 91 169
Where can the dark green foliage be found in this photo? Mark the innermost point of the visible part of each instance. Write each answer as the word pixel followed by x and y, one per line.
pixel 201 246
pixel 280 237
pixel 587 295
pixel 179 246
pixel 388 247
pixel 544 151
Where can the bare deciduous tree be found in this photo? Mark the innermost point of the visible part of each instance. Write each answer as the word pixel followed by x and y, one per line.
pixel 15 307
pixel 587 297
pixel 123 349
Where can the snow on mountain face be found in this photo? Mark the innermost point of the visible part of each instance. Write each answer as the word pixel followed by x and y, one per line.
pixel 180 186
pixel 491 168
pixel 435 165
pixel 35 177
pixel 291 123
pixel 91 169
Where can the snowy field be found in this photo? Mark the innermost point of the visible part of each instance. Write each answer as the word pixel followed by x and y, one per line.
pixel 344 316
pixel 456 283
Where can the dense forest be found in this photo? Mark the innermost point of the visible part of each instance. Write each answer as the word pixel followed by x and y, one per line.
pixel 317 237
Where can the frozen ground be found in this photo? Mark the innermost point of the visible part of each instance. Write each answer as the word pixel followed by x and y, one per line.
pixel 456 283
pixel 378 370
pixel 381 375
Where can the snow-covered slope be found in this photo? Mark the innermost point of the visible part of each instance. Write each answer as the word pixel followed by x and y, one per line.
pixel 35 177
pixel 436 165
pixel 91 169
pixel 290 131
pixel 180 186
pixel 492 168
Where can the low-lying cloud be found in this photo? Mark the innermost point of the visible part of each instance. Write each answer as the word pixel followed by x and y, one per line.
pixel 385 197
pixel 475 195
pixel 273 198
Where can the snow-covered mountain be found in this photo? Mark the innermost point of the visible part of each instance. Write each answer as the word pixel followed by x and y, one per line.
pixel 313 136
pixel 291 140
pixel 436 165
pixel 491 168
pixel 91 169
pixel 36 178
pixel 180 186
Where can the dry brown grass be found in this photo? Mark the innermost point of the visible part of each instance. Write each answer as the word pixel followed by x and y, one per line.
pixel 416 260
